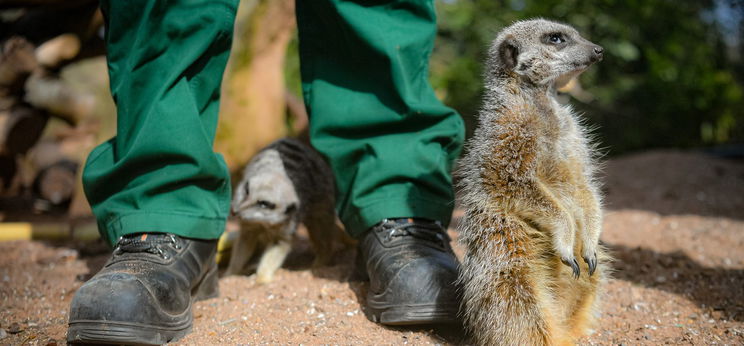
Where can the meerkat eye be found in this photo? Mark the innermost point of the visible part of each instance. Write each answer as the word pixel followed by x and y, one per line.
pixel 265 204
pixel 247 189
pixel 556 38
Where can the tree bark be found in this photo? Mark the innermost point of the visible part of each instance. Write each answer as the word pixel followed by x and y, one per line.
pixel 253 101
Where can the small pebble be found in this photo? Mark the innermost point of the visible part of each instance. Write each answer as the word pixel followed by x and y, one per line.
pixel 227 322
pixel 15 328
pixel 3 334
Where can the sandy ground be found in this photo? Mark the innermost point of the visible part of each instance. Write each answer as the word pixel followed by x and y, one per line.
pixel 674 223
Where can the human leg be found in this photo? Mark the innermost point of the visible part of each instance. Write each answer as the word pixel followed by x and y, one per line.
pixel 373 113
pixel 160 174
pixel 159 192
pixel 391 145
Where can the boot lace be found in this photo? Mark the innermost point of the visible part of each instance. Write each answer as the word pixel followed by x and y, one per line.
pixel 429 231
pixel 147 243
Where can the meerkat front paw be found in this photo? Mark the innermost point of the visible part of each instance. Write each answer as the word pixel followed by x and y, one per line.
pixel 591 261
pixel 589 238
pixel 589 250
pixel 563 242
pixel 573 264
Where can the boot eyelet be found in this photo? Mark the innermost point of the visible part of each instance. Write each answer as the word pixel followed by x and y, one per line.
pixel 162 253
pixel 174 240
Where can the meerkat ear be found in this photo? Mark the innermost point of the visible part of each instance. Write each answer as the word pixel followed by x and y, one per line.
pixel 508 52
pixel 241 193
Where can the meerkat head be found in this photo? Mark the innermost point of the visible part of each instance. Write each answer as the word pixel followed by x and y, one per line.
pixel 266 196
pixel 542 52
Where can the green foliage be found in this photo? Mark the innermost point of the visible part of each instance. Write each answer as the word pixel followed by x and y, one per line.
pixel 665 80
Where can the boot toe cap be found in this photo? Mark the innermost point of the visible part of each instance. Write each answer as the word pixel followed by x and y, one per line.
pixel 124 297
pixel 425 280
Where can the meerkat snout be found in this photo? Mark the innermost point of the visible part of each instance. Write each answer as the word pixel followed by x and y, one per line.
pixel 598 53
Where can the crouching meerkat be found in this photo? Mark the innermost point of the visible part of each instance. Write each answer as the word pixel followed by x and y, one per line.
pixel 533 266
pixel 285 184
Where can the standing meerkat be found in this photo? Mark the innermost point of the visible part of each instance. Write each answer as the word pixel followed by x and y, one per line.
pixel 532 203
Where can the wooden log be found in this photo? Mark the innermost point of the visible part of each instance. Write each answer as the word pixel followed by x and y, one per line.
pixel 35 3
pixel 56 183
pixel 54 95
pixel 39 24
pixel 74 20
pixel 17 61
pixel 52 53
pixel 69 145
pixel 20 129
pixel 8 169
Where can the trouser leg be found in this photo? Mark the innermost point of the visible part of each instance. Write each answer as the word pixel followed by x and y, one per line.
pixel 160 174
pixel 373 114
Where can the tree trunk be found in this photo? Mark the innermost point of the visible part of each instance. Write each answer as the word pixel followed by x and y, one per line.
pixel 252 110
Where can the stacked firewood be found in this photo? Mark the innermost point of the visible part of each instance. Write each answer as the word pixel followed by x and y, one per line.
pixel 38 38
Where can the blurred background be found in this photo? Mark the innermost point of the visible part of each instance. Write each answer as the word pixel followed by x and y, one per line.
pixel 666 103
pixel 672 77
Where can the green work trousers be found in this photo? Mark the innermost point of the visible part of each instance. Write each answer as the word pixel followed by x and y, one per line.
pixel 390 142
pixel 373 114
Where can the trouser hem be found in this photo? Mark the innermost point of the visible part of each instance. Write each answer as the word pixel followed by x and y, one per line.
pixel 359 220
pixel 184 225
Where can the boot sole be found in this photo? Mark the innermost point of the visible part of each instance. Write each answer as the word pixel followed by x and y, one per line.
pixel 95 332
pixel 118 333
pixel 411 315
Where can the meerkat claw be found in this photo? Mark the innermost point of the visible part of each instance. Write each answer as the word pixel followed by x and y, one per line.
pixel 574 266
pixel 592 262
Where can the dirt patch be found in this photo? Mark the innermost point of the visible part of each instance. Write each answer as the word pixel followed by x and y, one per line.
pixel 675 224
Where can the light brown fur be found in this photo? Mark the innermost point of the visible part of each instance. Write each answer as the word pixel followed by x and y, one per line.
pixel 532 204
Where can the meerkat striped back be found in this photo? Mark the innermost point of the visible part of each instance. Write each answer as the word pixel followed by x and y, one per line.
pixel 310 174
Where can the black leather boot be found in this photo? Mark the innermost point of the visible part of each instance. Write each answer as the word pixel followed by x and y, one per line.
pixel 143 295
pixel 412 271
